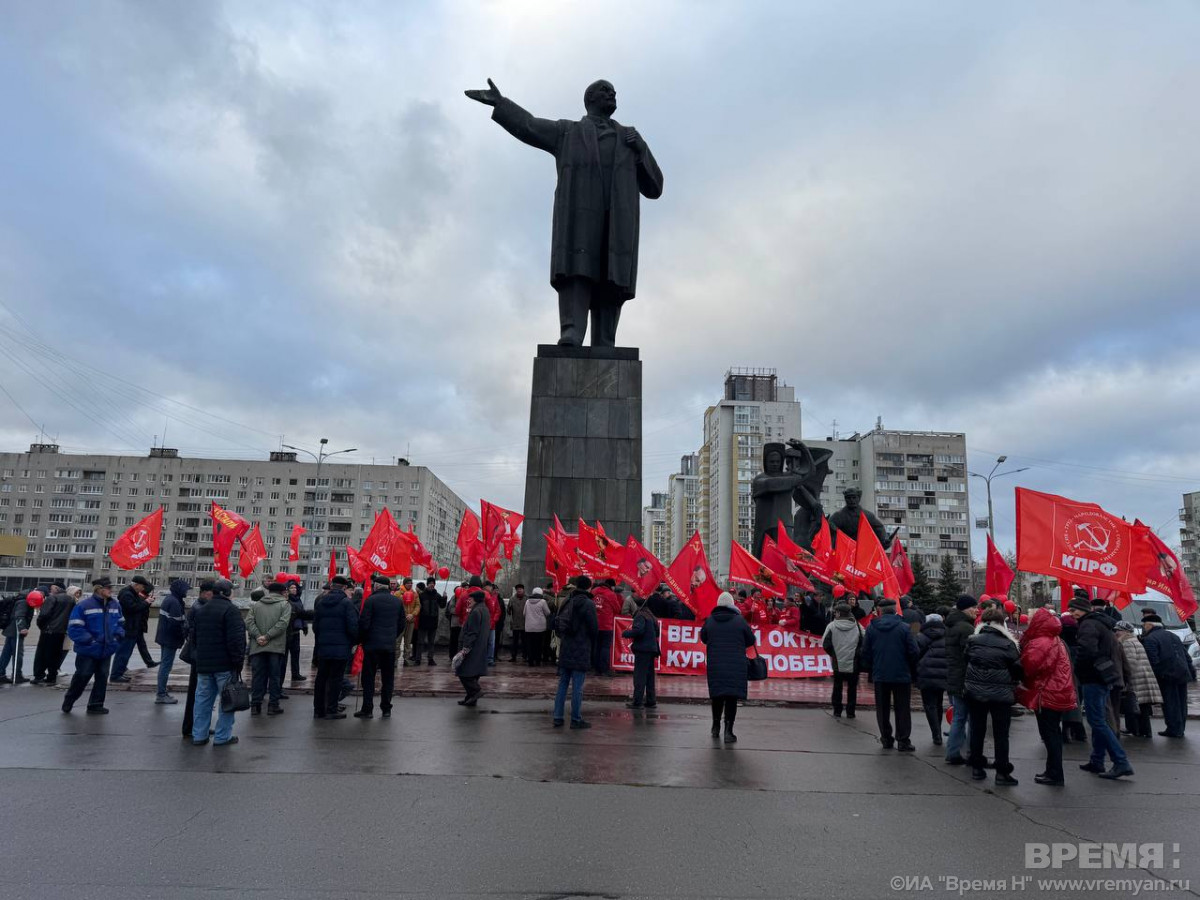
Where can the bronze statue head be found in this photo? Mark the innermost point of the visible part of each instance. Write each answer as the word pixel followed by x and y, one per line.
pixel 600 98
pixel 773 458
pixel 853 497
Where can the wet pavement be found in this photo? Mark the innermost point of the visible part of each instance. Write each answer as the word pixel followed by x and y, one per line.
pixel 445 801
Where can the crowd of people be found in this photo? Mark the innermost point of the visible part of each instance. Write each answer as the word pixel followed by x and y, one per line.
pixel 1086 664
pixel 969 663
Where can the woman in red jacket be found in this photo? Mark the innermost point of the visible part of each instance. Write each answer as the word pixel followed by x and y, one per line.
pixel 1049 688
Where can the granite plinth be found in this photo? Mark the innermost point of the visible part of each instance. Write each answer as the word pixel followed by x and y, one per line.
pixel 585 446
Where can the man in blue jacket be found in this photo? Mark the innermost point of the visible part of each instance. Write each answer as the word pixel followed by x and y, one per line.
pixel 889 653
pixel 96 628
pixel 171 619
pixel 1173 669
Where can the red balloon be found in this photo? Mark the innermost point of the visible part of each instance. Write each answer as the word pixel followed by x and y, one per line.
pixel 839 590
pixel 444 572
pixel 1023 619
pixel 949 714
pixel 1010 607
pixel 34 599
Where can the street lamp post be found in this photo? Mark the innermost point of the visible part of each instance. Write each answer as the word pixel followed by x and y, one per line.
pixel 988 480
pixel 320 457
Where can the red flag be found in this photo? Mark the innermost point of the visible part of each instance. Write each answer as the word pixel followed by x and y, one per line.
pixel 253 551
pixel 500 528
pixel 787 569
pixel 691 580
pixel 386 549
pixel 999 576
pixel 332 564
pixel 796 554
pixel 822 546
pixel 227 528
pixel 1167 577
pixel 294 542
pixel 745 569
pixel 139 544
pixel 602 556
pixel 641 568
pixel 904 572
pixel 420 555
pixel 844 570
pixel 872 562
pixel 559 566
pixel 360 569
pixel 470 547
pixel 1081 543
pixel 491 567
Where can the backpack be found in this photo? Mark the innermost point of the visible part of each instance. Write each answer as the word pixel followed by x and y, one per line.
pixel 564 626
pixel 7 605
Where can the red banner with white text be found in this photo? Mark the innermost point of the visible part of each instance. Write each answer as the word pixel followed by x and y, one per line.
pixel 789 654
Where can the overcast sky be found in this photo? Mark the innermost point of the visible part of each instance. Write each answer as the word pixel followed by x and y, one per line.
pixel 286 219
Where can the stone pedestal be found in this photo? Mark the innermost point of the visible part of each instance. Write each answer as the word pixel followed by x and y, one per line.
pixel 585 447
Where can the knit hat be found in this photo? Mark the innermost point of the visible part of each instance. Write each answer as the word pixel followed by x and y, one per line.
pixel 537 592
pixel 277 587
pixel 1123 626
pixel 932 617
pixel 1080 603
pixel 726 599
pixel 965 601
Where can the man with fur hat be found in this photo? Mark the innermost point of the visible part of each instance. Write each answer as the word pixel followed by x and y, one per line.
pixel 96 628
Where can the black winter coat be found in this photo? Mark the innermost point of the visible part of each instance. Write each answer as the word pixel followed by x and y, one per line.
pixel 959 628
pixel 889 650
pixel 218 636
pixel 381 621
pixel 993 667
pixel 55 613
pixel 575 647
pixel 644 632
pixel 431 601
pixel 300 616
pixel 1095 650
pixel 475 631
pixel 931 657
pixel 136 610
pixel 335 623
pixel 727 636
pixel 1168 657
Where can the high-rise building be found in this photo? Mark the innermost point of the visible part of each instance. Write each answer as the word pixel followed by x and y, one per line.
pixel 682 517
pixel 654 526
pixel 756 409
pixel 1189 538
pixel 915 481
pixel 69 508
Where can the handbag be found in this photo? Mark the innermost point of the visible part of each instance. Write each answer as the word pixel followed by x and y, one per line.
pixel 1129 703
pixel 756 667
pixel 235 696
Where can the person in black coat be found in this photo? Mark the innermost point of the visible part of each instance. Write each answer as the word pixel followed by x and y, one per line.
pixel 427 622
pixel 577 626
pixel 931 672
pixel 960 625
pixel 52 630
pixel 380 625
pixel 1173 669
pixel 644 632
pixel 1095 660
pixel 298 626
pixel 993 673
pixel 889 653
pixel 135 607
pixel 727 636
pixel 335 624
pixel 475 639
pixel 219 641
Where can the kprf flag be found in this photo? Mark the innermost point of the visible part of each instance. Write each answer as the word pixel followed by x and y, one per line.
pixel 691 580
pixel 1081 543
pixel 420 555
pixel 360 569
pixel 904 573
pixel 1167 577
pixel 139 544
pixel 601 555
pixel 796 554
pixel 872 562
pixel 744 568
pixel 471 551
pixel 227 528
pixel 252 553
pixel 640 568
pixel 999 576
pixel 844 570
pixel 294 542
pixel 500 528
pixel 774 559
pixel 386 549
